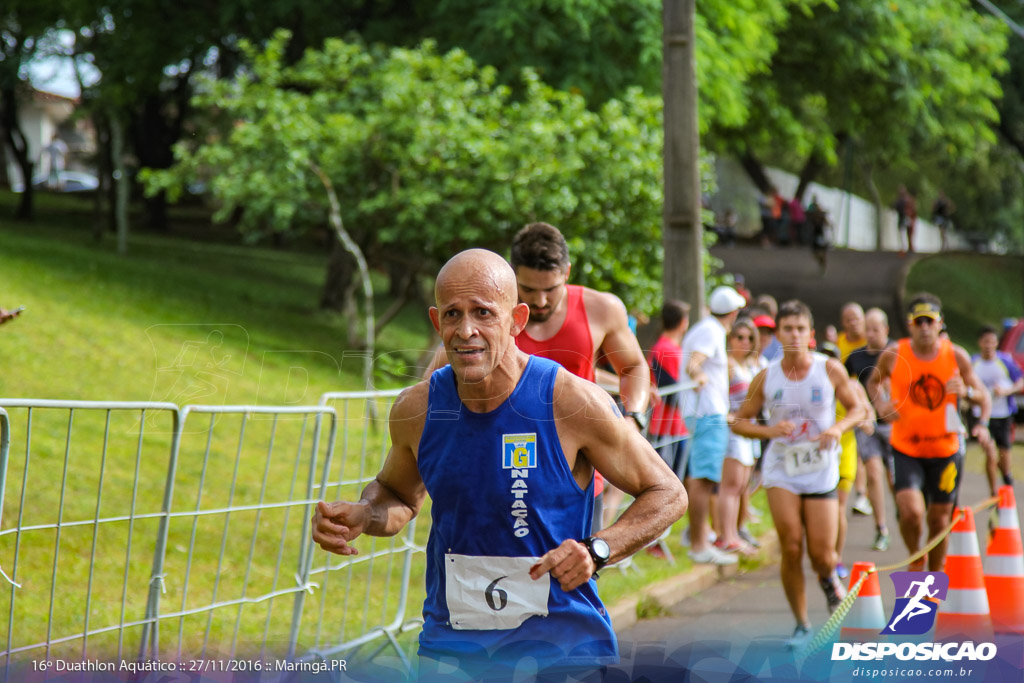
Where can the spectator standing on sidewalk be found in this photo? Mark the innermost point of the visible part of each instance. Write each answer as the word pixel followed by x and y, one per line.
pixel 706 410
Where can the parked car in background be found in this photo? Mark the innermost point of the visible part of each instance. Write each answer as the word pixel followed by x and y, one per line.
pixel 70 181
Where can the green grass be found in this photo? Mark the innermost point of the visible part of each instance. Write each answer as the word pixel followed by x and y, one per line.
pixel 976 290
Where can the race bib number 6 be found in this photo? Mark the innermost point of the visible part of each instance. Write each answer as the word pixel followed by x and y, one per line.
pixel 493 593
pixel 804 458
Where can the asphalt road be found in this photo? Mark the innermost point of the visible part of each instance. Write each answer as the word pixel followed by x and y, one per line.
pixel 747 615
pixel 869 278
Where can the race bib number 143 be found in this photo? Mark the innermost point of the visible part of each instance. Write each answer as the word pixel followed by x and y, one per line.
pixel 804 458
pixel 493 593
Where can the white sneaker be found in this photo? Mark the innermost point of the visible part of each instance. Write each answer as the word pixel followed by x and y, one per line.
pixel 712 555
pixel 684 538
pixel 862 506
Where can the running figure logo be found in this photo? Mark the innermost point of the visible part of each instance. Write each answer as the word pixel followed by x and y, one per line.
pixel 914 613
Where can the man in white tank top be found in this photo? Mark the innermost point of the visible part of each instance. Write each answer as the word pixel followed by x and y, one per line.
pixel 801 463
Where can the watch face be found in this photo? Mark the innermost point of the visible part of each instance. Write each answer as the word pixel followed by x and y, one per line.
pixel 601 548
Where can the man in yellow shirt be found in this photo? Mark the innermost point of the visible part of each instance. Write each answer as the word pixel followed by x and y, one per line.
pixel 853 337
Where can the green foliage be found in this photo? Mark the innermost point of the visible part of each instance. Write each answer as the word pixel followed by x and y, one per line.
pixel 895 77
pixel 430 155
pixel 599 48
pixel 736 40
pixel 1011 107
pixel 975 289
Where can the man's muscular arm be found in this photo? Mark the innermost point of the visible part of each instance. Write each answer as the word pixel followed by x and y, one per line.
pixel 389 502
pixel 589 426
pixel 622 350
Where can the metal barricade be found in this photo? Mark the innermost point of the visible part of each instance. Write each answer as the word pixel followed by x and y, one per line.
pixel 189 538
pixel 363 597
pixel 83 532
pixel 230 547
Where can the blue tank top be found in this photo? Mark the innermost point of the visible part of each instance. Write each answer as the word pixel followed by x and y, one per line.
pixel 500 487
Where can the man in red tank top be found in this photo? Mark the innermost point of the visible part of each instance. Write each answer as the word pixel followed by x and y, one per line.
pixel 927 374
pixel 570 324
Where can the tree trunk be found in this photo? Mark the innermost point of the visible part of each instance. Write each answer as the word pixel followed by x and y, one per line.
pixel 120 182
pixel 876 198
pixel 815 163
pixel 150 135
pixel 399 275
pixel 339 284
pixel 16 142
pixel 408 289
pixel 154 130
pixel 5 181
pixel 364 275
pixel 755 171
pixel 1004 130
pixel 105 173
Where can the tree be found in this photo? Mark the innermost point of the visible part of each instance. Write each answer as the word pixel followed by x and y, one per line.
pixel 428 155
pixel 24 29
pixel 892 77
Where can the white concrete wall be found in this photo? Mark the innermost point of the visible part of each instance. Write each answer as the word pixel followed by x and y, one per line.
pixel 852 217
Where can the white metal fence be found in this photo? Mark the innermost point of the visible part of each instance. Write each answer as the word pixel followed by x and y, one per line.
pixel 145 530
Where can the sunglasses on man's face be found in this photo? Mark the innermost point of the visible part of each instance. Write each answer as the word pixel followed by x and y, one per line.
pixel 924 321
pixel 743 337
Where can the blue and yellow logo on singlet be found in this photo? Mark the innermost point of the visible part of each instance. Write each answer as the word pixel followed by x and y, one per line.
pixel 519 451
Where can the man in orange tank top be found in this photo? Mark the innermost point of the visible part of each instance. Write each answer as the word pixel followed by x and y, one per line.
pixel 570 324
pixel 927 375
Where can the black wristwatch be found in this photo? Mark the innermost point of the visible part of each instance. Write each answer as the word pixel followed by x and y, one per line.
pixel 599 551
pixel 639 418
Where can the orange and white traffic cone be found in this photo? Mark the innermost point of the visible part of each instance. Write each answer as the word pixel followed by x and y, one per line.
pixel 866 617
pixel 1004 568
pixel 964 614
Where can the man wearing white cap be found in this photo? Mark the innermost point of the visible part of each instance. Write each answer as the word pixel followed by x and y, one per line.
pixel 705 409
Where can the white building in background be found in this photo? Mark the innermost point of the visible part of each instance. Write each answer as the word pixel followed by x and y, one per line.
pixel 43 115
pixel 852 218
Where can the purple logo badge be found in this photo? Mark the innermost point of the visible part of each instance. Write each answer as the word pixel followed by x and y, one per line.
pixel 914 612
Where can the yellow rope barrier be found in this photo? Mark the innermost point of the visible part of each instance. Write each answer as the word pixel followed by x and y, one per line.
pixel 828 631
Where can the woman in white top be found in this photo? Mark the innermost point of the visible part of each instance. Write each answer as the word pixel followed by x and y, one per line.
pixel 744 363
pixel 801 464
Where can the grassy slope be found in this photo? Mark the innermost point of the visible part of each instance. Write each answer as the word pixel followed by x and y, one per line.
pixel 115 320
pixel 976 290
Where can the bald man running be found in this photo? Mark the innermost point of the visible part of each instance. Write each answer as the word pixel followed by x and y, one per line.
pixel 506 445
